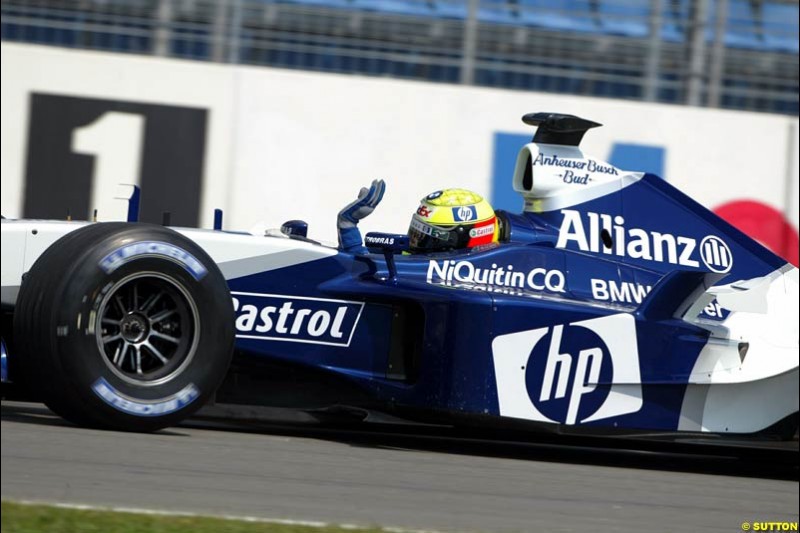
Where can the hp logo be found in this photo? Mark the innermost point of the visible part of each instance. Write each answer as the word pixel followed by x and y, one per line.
pixel 715 254
pixel 465 213
pixel 570 373
pixel 566 375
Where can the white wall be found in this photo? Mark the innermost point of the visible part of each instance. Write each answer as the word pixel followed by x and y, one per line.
pixel 284 144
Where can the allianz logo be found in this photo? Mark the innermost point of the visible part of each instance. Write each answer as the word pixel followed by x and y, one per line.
pixel 451 272
pixel 279 317
pixel 638 243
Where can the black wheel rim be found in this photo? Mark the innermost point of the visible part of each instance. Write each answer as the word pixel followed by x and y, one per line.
pixel 147 328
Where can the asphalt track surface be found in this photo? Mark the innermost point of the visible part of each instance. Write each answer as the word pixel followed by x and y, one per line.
pixel 383 479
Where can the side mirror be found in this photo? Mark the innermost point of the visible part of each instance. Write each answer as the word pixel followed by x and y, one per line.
pixel 388 244
pixel 295 227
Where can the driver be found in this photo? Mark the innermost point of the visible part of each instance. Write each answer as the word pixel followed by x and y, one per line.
pixel 452 219
pixel 449 219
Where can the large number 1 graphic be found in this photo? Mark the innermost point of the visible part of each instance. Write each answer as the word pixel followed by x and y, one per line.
pixel 115 140
pixel 81 148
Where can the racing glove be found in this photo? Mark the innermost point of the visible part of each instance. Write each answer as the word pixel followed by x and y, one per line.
pixel 361 207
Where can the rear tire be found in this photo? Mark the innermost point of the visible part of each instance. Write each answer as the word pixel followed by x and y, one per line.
pixel 124 326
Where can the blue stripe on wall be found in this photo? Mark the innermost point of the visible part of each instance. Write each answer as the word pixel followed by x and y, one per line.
pixel 639 157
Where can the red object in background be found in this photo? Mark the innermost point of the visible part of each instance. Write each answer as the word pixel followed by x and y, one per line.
pixel 765 224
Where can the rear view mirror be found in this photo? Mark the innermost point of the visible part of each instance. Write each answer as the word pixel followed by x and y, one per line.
pixel 295 227
pixel 388 244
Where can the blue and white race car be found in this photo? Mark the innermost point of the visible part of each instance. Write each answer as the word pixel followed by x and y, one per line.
pixel 612 303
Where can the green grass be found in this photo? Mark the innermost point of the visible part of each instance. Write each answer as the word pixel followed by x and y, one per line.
pixel 24 518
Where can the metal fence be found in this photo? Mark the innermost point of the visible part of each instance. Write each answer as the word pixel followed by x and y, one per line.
pixel 739 54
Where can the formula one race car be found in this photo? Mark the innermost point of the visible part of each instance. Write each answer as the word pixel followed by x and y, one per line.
pixel 612 303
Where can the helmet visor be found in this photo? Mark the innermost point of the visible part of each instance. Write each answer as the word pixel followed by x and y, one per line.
pixel 425 237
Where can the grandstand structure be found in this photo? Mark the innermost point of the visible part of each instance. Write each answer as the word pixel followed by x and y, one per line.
pixel 736 54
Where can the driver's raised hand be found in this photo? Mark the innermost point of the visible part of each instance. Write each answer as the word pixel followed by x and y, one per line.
pixel 363 206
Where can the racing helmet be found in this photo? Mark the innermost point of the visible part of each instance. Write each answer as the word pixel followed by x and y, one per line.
pixel 452 219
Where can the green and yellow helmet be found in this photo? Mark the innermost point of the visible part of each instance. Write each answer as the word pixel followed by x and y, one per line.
pixel 452 219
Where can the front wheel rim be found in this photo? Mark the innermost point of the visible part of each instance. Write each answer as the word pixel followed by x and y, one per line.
pixel 147 328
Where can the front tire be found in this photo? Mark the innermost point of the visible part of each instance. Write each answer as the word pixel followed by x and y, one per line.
pixel 124 326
